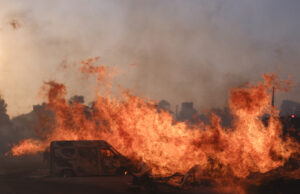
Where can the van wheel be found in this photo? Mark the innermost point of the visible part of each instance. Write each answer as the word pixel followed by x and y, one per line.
pixel 67 173
pixel 122 171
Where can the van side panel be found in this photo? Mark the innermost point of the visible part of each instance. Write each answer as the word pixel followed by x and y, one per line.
pixel 84 158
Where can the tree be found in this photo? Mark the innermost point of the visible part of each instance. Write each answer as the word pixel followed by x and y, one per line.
pixel 5 127
pixel 4 118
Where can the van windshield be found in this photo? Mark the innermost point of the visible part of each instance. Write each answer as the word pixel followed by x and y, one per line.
pixel 114 151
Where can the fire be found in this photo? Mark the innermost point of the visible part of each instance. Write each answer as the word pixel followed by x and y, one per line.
pixel 134 127
pixel 29 146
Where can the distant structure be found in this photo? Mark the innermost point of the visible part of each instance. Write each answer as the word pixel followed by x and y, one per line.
pixel 289 107
pixel 164 105
pixel 77 99
pixel 187 112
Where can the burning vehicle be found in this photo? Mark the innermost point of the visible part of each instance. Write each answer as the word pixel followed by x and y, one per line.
pixel 99 158
pixel 86 158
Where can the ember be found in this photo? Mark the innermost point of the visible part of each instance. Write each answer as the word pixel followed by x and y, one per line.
pixel 134 127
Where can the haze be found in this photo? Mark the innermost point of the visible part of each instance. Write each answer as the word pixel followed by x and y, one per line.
pixel 182 50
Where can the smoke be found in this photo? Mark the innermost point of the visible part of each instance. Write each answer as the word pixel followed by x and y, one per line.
pixel 181 50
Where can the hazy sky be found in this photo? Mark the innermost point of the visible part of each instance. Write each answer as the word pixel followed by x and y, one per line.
pixel 182 50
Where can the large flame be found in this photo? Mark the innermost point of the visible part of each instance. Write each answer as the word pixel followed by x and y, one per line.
pixel 133 126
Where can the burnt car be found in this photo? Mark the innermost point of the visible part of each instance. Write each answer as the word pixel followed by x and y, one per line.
pixel 86 158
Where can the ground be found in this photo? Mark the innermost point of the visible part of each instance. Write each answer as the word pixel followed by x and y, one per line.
pixel 29 176
pixel 24 184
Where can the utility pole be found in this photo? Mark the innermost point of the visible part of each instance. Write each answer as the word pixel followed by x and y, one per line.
pixel 176 112
pixel 273 96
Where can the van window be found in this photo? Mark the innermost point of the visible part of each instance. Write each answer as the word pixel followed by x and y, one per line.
pixel 88 153
pixel 68 152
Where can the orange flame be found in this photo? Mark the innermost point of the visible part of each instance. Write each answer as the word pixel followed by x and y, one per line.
pixel 28 146
pixel 134 127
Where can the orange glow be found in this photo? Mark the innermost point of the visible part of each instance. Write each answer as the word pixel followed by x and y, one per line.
pixel 28 146
pixel 134 127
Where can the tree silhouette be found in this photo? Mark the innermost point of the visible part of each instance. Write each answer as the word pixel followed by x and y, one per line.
pixel 5 127
pixel 4 118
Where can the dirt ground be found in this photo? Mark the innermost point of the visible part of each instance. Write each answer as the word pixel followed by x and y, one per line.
pixel 25 184
pixel 30 176
pixel 21 184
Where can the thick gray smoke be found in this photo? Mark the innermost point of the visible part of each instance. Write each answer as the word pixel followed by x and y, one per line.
pixel 182 50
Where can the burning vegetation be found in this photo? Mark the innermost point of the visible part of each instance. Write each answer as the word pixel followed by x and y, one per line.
pixel 135 127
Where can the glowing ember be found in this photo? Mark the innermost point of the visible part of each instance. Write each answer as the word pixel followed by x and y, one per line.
pixel 135 128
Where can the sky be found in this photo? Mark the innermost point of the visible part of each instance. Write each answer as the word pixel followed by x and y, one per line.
pixel 181 50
